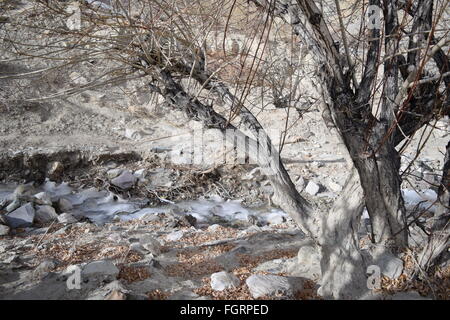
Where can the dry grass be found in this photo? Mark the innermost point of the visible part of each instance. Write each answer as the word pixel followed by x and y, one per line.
pixel 133 274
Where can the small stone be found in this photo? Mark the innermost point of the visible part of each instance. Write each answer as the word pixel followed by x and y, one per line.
pixel 113 173
pixel 224 280
pixel 66 218
pixel 116 295
pixel 272 285
pixel 64 205
pixel 45 214
pixel 4 230
pixel 100 268
pixel 44 197
pixel 334 186
pixel 150 244
pixel 21 217
pixel 312 188
pixel 125 180
pixel 55 170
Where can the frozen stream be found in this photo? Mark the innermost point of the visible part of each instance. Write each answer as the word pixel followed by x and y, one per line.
pixel 103 206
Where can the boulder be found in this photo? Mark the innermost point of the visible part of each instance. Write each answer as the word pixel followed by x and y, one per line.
pixel 272 285
pixel 100 268
pixel 45 214
pixel 66 218
pixel 150 244
pixel 390 265
pixel 21 217
pixel 224 280
pixel 64 205
pixel 125 180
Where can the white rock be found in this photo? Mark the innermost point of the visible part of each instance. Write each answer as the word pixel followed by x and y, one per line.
pixel 213 227
pixel 125 181
pixel 44 197
pixel 64 205
pixel 21 217
pixel 113 173
pixel 13 206
pixel 66 218
pixel 174 236
pixel 45 214
pixel 334 186
pixel 100 268
pixel 140 174
pixel 312 188
pixel 4 230
pixel 272 285
pixel 224 280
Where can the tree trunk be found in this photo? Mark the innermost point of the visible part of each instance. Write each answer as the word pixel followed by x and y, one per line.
pixel 343 267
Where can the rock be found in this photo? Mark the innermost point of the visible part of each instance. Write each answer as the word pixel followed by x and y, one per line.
pixel 300 183
pixel 275 219
pixel 66 218
pixel 390 265
pixel 125 180
pixel 55 170
pixel 224 280
pixel 44 197
pixel 176 235
pixel 274 266
pixel 140 174
pixel 213 228
pixel 112 291
pixel 21 217
pixel 307 264
pixel 4 230
pixel 23 189
pixel 102 268
pixel 150 244
pixel 116 295
pixel 334 186
pixel 13 205
pixel 137 247
pixel 44 268
pixel 113 173
pixel 272 285
pixel 64 205
pixel 312 188
pixel 133 134
pixel 45 214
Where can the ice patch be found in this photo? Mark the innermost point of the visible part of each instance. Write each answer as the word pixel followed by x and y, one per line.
pixel 412 198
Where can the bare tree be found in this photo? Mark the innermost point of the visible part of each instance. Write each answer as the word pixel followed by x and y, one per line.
pixel 377 88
